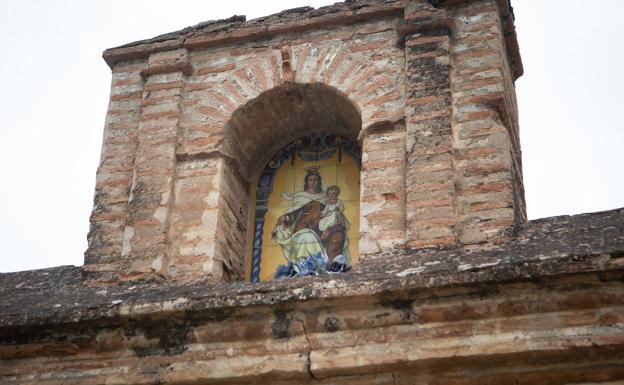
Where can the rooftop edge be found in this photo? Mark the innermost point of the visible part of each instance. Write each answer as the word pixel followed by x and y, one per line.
pixel 237 29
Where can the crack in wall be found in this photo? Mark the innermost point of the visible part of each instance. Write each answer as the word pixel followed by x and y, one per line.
pixel 308 351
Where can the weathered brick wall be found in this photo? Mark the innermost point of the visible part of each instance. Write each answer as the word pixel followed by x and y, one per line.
pixel 115 171
pixel 430 187
pixel 250 95
pixel 463 186
pixel 426 87
pixel 484 126
pixel 543 308
pixel 382 196
pixel 427 90
pixel 467 336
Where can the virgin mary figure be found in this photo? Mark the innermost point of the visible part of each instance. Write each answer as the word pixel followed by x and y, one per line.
pixel 297 230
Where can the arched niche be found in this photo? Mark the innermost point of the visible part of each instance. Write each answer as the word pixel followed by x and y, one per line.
pixel 254 134
pixel 306 210
pixel 263 125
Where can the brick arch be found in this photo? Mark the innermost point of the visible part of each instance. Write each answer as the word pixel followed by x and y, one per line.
pixel 348 69
pixel 246 107
pixel 220 90
pixel 266 123
pixel 255 132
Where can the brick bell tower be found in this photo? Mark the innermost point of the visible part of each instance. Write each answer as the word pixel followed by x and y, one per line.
pixel 322 196
pixel 425 88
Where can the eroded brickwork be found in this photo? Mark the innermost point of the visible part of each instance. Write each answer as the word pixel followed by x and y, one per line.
pixel 453 286
pixel 382 201
pixel 115 172
pixel 429 180
pixel 426 88
pixel 543 308
pixel 484 127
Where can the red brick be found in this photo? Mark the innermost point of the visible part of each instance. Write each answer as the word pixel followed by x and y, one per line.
pixel 212 70
pixel 164 86
pixel 127 96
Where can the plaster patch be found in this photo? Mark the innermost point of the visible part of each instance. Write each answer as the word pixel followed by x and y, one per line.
pixel 164 200
pixel 156 264
pixel 367 246
pixel 411 271
pixel 487 264
pixel 172 305
pixel 367 208
pixel 161 214
pixel 208 265
pixel 201 234
pixel 126 248
pixel 464 267
pixel 212 200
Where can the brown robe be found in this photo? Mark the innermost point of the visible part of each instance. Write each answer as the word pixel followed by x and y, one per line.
pixel 308 217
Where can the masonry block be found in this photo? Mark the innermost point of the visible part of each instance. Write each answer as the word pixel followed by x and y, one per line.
pixel 425 88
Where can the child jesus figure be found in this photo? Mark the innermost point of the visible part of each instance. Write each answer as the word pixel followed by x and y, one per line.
pixel 332 215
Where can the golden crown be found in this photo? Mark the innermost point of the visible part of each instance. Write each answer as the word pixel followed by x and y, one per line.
pixel 312 170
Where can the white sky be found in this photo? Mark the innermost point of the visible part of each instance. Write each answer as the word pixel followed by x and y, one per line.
pixel 54 95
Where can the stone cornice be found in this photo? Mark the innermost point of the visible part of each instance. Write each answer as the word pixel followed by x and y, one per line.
pixel 542 249
pixel 509 30
pixel 236 29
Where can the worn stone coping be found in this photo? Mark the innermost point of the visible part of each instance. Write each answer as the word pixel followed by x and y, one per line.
pixel 237 29
pixel 540 249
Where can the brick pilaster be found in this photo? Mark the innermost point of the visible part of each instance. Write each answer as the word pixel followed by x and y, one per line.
pixel 145 239
pixel 114 174
pixel 382 194
pixel 489 195
pixel 430 191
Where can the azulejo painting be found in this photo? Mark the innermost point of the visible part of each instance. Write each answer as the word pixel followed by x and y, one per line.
pixel 307 209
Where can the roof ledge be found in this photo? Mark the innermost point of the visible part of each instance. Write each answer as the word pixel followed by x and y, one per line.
pixel 237 29
pixel 540 250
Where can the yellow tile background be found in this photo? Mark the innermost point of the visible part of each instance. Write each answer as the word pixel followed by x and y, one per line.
pixel 289 177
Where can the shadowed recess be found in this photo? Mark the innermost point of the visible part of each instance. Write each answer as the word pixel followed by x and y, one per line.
pixel 264 124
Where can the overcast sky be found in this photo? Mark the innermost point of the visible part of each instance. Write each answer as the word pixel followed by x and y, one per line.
pixel 54 95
